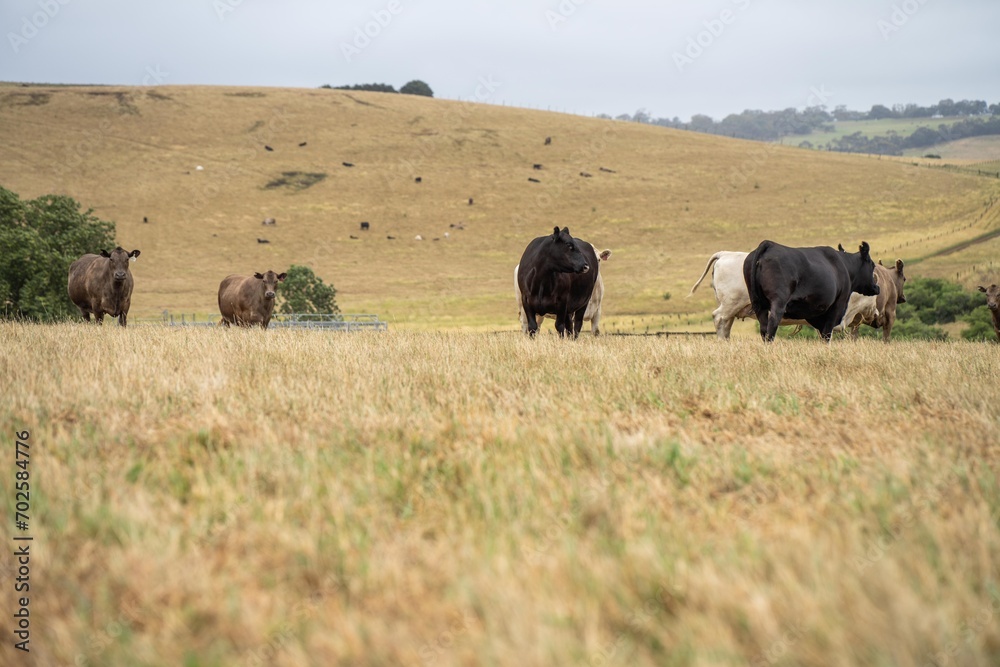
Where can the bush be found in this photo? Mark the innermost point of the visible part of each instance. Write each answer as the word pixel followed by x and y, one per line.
pixel 417 87
pixel 980 323
pixel 39 239
pixel 937 301
pixel 305 292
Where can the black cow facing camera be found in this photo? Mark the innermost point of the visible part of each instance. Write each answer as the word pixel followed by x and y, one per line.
pixel 556 276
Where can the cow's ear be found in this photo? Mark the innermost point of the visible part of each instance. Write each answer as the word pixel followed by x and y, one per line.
pixel 880 263
pixel 555 232
pixel 605 255
pixel 282 276
pixel 982 289
pixel 865 249
pixel 105 253
pixel 899 266
pixel 258 276
pixel 566 231
pixel 134 253
pixel 840 247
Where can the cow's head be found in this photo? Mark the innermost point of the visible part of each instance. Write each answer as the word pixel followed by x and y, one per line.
pixel 899 279
pixel 992 297
pixel 564 253
pixel 270 282
pixel 864 279
pixel 118 259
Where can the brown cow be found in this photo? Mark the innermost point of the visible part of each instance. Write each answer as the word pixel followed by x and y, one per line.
pixel 102 284
pixel 890 282
pixel 993 303
pixel 248 301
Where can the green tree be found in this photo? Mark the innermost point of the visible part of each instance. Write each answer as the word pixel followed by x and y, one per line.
pixel 937 301
pixel 417 87
pixel 980 323
pixel 39 239
pixel 305 292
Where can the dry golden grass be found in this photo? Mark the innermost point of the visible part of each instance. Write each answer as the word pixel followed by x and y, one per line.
pixel 676 197
pixel 232 497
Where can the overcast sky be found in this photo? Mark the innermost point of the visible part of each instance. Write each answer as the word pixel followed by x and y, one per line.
pixel 581 56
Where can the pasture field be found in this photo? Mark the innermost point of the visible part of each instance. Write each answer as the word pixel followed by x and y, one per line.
pixel 663 200
pixel 207 497
pixel 877 128
pixel 968 151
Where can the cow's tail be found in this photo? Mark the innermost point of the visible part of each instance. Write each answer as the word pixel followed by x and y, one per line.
pixel 708 267
pixel 758 302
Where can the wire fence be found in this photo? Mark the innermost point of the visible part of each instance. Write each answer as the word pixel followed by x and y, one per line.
pixel 325 321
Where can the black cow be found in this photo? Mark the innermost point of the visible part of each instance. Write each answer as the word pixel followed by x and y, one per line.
pixel 811 284
pixel 556 277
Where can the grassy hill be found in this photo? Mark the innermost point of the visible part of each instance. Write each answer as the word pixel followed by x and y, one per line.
pixel 670 200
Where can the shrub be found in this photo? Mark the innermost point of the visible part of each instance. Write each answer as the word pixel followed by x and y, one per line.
pixel 39 239
pixel 305 292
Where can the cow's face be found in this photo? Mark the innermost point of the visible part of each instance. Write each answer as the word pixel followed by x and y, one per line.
pixel 900 281
pixel 992 297
pixel 565 254
pixel 866 284
pixel 269 281
pixel 118 259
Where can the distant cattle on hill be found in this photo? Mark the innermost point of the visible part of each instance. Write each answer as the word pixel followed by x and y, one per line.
pixel 248 301
pixel 102 284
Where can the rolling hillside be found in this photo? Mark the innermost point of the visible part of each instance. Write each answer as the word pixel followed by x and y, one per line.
pixel 664 200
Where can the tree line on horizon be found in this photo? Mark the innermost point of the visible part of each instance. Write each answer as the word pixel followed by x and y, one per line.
pixel 415 87
pixel 980 119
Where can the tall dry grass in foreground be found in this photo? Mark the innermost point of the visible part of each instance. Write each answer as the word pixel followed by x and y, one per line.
pixel 223 497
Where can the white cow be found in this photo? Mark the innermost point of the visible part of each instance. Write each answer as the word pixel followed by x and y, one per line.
pixel 734 299
pixel 730 290
pixel 593 312
pixel 861 309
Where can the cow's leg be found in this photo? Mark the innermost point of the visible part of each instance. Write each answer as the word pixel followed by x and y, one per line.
pixel 564 322
pixel 531 321
pixel 123 319
pixel 762 320
pixel 887 323
pixel 86 315
pixel 774 316
pixel 723 324
pixel 595 327
pixel 578 323
pixel 99 316
pixel 824 325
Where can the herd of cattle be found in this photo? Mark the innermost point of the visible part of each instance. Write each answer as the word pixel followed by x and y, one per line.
pixel 559 276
